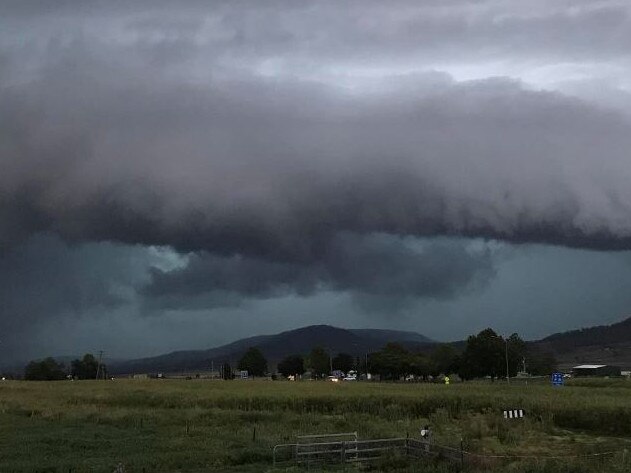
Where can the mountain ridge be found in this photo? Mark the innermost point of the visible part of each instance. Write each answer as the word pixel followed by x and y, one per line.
pixel 607 344
pixel 275 347
pixel 602 344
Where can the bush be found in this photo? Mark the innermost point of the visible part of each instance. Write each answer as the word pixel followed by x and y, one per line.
pixel 45 370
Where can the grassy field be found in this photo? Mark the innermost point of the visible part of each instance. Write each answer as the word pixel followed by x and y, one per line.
pixel 197 425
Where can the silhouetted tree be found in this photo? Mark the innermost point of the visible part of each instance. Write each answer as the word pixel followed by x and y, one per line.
pixel 483 356
pixel 319 362
pixel 419 364
pixel 343 362
pixel 516 353
pixel 45 370
pixel 292 365
pixel 391 362
pixel 254 362
pixel 444 360
pixel 86 367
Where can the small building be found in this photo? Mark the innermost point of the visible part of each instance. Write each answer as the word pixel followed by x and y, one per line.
pixel 596 370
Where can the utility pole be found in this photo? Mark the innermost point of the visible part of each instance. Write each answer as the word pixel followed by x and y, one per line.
pixel 507 376
pixel 98 366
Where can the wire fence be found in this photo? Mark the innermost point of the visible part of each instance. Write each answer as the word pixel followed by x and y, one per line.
pixel 364 451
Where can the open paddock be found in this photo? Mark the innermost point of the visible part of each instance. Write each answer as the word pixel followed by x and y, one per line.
pixel 202 425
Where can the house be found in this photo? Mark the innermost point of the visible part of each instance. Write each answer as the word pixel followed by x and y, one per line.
pixel 596 370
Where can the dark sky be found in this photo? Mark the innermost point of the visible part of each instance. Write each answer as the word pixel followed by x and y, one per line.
pixel 179 176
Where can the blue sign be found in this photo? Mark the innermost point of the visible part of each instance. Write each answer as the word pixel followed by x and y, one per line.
pixel 557 379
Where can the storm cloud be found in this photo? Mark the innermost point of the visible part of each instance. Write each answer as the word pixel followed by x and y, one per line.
pixel 98 146
pixel 274 169
pixel 281 150
pixel 44 279
pixel 380 266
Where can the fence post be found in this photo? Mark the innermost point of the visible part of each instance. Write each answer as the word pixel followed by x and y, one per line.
pixel 343 452
pixel 461 454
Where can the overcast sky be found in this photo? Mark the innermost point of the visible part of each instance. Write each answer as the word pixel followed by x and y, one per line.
pixel 177 176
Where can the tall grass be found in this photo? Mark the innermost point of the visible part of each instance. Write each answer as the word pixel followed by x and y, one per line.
pixel 197 425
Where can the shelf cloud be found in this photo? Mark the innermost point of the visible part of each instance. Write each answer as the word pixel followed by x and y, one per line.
pixel 286 149
pixel 276 168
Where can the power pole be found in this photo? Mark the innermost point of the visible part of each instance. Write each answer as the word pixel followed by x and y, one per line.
pixel 507 376
pixel 98 366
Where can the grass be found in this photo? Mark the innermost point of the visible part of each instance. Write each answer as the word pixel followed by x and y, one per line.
pixel 197 425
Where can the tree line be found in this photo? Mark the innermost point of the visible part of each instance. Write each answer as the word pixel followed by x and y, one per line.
pixel 486 354
pixel 49 369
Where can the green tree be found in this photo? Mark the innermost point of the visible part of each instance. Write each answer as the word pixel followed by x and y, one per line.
pixel 85 368
pixel 444 360
pixel 343 362
pixel 319 362
pixel 254 362
pixel 516 353
pixel 45 370
pixel 421 365
pixel 391 362
pixel 291 366
pixel 483 356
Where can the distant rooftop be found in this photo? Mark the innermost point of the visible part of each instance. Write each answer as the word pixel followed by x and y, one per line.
pixel 589 367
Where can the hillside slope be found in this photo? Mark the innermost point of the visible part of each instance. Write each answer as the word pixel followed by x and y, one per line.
pixel 606 344
pixel 275 347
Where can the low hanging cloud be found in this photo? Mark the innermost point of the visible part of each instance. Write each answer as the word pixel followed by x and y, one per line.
pixel 288 148
pixel 275 169
pixel 45 279
pixel 221 132
pixel 380 266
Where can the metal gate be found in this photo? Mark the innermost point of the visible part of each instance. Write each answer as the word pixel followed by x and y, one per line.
pixel 311 450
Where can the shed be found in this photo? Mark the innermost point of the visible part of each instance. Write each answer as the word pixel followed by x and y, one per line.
pixel 596 370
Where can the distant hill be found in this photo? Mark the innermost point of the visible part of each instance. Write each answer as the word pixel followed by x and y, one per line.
pixel 391 335
pixel 619 332
pixel 606 344
pixel 356 342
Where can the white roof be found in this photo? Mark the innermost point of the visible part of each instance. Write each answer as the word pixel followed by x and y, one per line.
pixel 588 367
